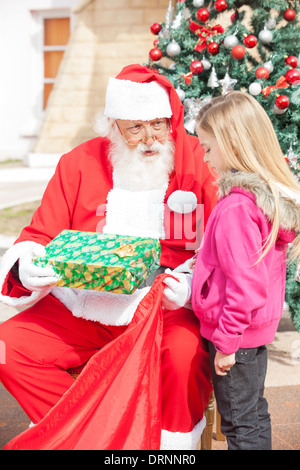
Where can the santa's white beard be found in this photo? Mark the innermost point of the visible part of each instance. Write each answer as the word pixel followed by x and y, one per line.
pixel 132 170
pixel 135 172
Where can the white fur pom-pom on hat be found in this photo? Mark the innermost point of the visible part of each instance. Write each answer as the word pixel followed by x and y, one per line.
pixel 182 202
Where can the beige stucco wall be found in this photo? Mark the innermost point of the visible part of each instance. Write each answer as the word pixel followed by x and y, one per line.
pixel 108 35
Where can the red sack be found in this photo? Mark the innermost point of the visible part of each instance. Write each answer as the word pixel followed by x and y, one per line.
pixel 115 404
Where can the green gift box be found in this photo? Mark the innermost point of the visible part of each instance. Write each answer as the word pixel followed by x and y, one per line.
pixel 98 261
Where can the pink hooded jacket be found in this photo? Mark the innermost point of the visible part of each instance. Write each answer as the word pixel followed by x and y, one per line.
pixel 239 303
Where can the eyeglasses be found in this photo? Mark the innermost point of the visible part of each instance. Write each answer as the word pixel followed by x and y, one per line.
pixel 144 140
pixel 158 134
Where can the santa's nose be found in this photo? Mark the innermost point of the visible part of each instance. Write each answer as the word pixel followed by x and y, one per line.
pixel 149 140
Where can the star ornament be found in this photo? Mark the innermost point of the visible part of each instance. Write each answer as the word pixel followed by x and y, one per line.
pixel 227 84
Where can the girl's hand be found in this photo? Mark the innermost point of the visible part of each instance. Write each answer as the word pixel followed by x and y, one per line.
pixel 192 264
pixel 223 363
pixel 193 260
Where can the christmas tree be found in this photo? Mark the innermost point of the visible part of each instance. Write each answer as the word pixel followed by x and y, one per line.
pixel 207 48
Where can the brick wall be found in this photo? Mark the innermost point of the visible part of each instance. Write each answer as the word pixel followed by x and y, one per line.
pixel 108 35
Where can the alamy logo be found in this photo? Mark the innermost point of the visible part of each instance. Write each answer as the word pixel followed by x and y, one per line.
pixel 187 227
pixel 2 353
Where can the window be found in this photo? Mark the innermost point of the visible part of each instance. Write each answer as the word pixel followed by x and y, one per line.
pixel 56 37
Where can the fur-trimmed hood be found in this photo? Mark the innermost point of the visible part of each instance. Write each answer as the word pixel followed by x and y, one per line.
pixel 289 204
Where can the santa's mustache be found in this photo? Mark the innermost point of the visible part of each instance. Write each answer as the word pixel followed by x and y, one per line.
pixel 155 147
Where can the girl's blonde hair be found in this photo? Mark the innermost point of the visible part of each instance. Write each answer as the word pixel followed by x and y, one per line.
pixel 247 141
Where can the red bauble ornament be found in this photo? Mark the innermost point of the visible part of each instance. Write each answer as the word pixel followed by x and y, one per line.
pixel 262 72
pixel 155 28
pixel 213 48
pixel 250 41
pixel 282 102
pixel 292 76
pixel 238 52
pixel 155 54
pixel 292 61
pixel 196 67
pixel 202 15
pixel 220 5
pixel 289 15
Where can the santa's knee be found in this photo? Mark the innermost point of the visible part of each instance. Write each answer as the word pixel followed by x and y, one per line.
pixel 182 350
pixel 183 379
pixel 177 362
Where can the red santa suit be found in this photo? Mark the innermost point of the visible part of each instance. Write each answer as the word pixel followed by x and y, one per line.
pixel 68 327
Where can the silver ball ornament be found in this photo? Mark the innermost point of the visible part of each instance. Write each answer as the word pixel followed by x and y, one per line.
pixel 278 110
pixel 265 36
pixel 198 3
pixel 173 49
pixel 206 63
pixel 180 93
pixel 254 88
pixel 230 41
pixel 269 66
pixel 271 23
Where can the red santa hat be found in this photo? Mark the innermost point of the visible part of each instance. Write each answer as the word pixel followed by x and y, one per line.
pixel 140 93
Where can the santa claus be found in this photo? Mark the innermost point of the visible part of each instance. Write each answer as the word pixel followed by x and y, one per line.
pixel 144 176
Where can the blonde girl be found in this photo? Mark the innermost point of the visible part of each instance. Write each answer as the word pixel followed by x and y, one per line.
pixel 239 276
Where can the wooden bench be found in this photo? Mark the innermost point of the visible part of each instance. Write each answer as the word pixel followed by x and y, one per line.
pixel 212 416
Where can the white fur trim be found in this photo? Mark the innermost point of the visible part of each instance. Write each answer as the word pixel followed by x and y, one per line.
pixel 289 193
pixel 182 440
pixel 136 101
pixel 8 260
pixel 135 213
pixel 182 201
pixel 104 307
pixel 67 295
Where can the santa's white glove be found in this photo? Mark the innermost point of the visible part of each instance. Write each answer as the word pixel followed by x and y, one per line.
pixel 186 267
pixel 177 294
pixel 35 278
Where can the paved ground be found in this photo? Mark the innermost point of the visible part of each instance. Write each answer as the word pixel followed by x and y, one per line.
pixel 283 378
pixel 18 185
